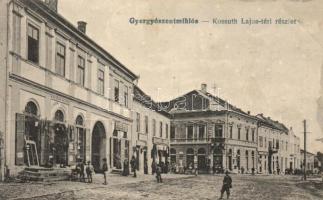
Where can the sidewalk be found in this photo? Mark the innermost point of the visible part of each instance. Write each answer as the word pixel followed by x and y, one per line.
pixel 33 189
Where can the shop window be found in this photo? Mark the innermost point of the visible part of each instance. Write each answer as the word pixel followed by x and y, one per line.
pixel 172 155
pixel 60 59
pixel 33 44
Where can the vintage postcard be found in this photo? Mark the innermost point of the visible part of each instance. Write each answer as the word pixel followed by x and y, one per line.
pixel 161 99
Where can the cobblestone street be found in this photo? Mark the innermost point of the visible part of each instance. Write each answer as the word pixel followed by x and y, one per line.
pixel 173 187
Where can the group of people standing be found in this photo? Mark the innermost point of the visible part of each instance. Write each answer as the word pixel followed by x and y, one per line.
pixel 81 169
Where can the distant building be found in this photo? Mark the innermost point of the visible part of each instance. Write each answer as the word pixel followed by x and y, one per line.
pixel 151 131
pixel 278 147
pixel 310 160
pixel 209 132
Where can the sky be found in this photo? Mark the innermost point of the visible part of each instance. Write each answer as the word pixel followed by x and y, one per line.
pixel 269 69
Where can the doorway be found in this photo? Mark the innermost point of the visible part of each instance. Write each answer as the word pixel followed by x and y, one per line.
pixel 98 146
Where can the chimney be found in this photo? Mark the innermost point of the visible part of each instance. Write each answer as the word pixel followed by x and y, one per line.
pixel 52 4
pixel 248 112
pixel 204 87
pixel 81 26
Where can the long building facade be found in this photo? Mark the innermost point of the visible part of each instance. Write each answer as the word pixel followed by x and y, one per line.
pixel 65 99
pixel 213 135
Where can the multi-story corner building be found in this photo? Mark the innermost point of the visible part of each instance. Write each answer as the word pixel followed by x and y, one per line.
pixel 278 147
pixel 151 128
pixel 68 99
pixel 209 132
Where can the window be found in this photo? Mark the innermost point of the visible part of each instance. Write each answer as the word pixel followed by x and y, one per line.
pixel 101 81
pixel 33 44
pixel 80 70
pixel 277 144
pixel 201 131
pixel 265 142
pixel 239 133
pixel 116 91
pixel 31 108
pixel 60 59
pixel 218 130
pixel 146 124
pixel 154 127
pixel 138 122
pixel 253 134
pixel 190 132
pixel 286 146
pixel 16 37
pixel 166 130
pixel 172 132
pixel 59 116
pixel 125 96
pixel 260 141
pixel 230 132
pixel 247 134
pixel 161 129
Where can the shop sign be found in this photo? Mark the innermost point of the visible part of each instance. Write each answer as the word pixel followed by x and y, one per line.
pixel 121 126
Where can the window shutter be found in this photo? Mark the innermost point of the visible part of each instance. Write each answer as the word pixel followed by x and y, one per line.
pixel 20 140
pixel 88 145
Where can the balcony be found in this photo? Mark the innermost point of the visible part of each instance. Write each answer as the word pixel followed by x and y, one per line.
pixel 161 141
pixel 273 150
pixel 189 141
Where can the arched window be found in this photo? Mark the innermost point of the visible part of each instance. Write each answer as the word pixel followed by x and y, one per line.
pixel 59 116
pixel 201 151
pixel 31 108
pixel 79 120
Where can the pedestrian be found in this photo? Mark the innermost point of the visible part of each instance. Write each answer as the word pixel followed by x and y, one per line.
pixel 133 166
pixel 82 169
pixel 89 170
pixel 105 170
pixel 125 167
pixel 158 174
pixel 153 167
pixel 227 184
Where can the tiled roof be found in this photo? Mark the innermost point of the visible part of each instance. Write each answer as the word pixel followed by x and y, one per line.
pixel 274 124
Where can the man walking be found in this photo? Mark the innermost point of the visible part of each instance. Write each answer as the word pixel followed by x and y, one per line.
pixel 158 174
pixel 105 170
pixel 82 175
pixel 227 184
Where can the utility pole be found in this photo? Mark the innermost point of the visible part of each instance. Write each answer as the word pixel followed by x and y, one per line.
pixel 305 150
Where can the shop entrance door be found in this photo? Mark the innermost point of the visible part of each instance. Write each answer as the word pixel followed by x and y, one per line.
pixel 98 146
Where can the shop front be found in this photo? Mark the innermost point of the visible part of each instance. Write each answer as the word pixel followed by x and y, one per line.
pixel 119 146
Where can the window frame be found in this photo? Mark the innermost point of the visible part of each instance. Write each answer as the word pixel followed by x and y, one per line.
pixel 79 80
pixel 101 81
pixel 61 56
pixel 34 27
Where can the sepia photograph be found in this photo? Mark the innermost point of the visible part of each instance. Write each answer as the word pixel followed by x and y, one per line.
pixel 161 99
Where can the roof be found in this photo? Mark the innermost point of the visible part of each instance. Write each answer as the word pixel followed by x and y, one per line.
pixel 40 7
pixel 271 123
pixel 210 96
pixel 302 151
pixel 141 97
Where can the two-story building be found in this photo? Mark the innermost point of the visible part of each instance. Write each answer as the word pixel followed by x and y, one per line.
pixel 278 147
pixel 151 129
pixel 211 133
pixel 67 99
